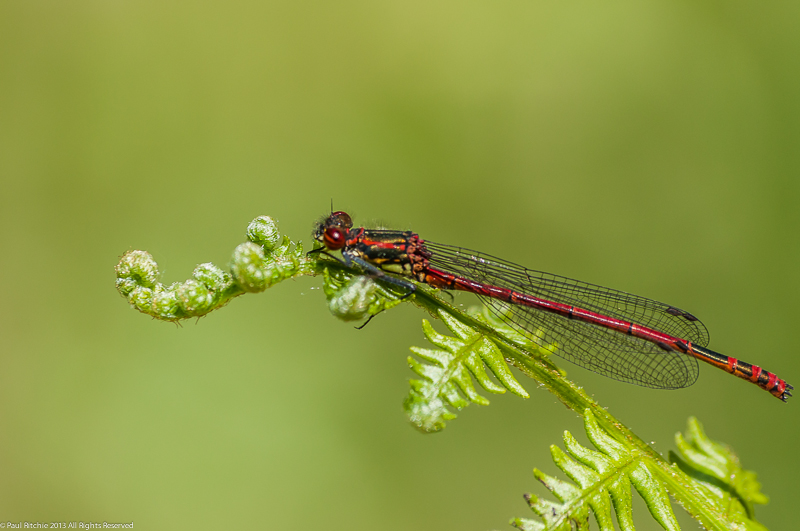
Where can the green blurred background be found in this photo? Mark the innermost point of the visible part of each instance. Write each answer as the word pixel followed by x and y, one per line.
pixel 650 147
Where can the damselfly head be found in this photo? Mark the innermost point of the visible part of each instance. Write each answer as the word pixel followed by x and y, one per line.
pixel 332 231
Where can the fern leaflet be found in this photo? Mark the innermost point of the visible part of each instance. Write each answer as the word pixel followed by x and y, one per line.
pixel 604 479
pixel 447 377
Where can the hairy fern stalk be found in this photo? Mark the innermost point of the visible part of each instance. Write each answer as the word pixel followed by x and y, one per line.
pixel 704 477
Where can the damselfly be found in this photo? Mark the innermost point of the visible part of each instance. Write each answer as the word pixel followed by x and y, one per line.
pixel 610 332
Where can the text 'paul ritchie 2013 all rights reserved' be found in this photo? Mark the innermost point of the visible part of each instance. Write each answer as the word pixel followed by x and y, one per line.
pixel 66 525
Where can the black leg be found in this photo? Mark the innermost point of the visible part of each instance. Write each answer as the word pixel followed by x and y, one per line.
pixel 371 317
pixel 376 273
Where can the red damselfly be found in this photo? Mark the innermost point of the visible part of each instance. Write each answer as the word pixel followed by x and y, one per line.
pixel 610 332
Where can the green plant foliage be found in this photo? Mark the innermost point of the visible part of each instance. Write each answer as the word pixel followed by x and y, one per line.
pixel 717 468
pixel 707 480
pixel 534 346
pixel 447 380
pixel 356 297
pixel 602 481
pixel 255 266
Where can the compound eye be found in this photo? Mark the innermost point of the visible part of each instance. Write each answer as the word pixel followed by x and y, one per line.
pixel 334 238
pixel 341 219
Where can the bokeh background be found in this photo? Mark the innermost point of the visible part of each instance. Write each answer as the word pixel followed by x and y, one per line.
pixel 651 147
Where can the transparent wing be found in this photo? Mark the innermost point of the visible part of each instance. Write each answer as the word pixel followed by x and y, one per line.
pixel 599 349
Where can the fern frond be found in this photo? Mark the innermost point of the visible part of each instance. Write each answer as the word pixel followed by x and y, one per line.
pixel 535 345
pixel 707 480
pixel 718 469
pixel 602 481
pixel 447 377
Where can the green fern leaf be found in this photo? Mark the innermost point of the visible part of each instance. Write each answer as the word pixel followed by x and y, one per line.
pixel 535 344
pixel 717 468
pixel 602 481
pixel 447 378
